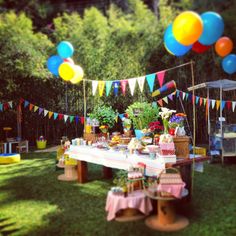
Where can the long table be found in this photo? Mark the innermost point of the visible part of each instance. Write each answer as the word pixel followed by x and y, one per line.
pixel 110 159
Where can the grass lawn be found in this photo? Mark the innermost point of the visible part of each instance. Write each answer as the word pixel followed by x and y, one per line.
pixel 34 202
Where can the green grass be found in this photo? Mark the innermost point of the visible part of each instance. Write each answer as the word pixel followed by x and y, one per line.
pixel 34 202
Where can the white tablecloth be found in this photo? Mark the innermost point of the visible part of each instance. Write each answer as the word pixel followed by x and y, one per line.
pixel 115 159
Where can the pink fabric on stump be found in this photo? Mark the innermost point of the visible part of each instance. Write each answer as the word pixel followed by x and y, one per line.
pixel 136 199
pixel 173 189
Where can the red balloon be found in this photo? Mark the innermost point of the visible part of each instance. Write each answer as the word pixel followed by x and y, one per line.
pixel 69 60
pixel 200 48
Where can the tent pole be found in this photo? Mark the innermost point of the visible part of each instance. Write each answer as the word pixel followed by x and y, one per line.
pixel 208 114
pixel 194 125
pixel 221 128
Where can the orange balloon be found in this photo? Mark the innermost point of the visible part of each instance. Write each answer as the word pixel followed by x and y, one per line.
pixel 187 27
pixel 224 46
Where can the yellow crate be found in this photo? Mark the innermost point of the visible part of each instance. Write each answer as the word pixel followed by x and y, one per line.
pixel 200 151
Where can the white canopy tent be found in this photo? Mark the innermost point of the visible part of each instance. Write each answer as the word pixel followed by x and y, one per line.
pixel 222 85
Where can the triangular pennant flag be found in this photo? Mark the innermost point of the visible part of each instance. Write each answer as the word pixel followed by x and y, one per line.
pixel 31 106
pixel 165 99
pixel 123 84
pixel 71 118
pixel 108 87
pixel 116 119
pixel 1 107
pixel 26 103
pixel 222 105
pixel 160 77
pixel 82 120
pixel 5 106
pixel 186 96
pixel 208 103
pixel 65 118
pixel 141 81
pixel 197 99
pixel 183 95
pixel 77 119
pixel 200 101
pixel 10 104
pixel 229 105
pixel 204 101
pixel 45 112
pixel 132 83
pixel 101 86
pixel 233 106
pixel 36 108
pixel 40 110
pixel 151 79
pixel 154 104
pixel 55 115
pixel 94 86
pixel 177 93
pixel 121 116
pixel 21 100
pixel 50 113
pixel 190 97
pixel 217 104
pixel 60 116
pixel 160 102
pixel 170 96
pixel 116 87
pixel 193 99
pixel 213 103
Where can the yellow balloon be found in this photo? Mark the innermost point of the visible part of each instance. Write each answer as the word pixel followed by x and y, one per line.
pixel 79 73
pixel 187 28
pixel 66 71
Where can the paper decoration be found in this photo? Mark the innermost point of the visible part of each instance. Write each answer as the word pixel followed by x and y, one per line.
pixel 77 119
pixel 154 104
pixel 65 118
pixel 160 77
pixel 160 102
pixel 201 99
pixel 222 105
pixel 186 96
pixel 229 105
pixel 31 106
pixel 1 107
pixel 141 81
pixel 213 103
pixel 151 79
pixel 132 83
pixel 82 119
pixel 170 96
pixel 183 95
pixel 50 113
pixel 94 86
pixel 101 86
pixel 55 115
pixel 204 101
pixel 71 118
pixel 40 110
pixel 26 103
pixel 116 119
pixel 197 100
pixel 123 84
pixel 45 112
pixel 116 87
pixel 233 106
pixel 10 104
pixel 177 93
pixel 121 116
pixel 108 87
pixel 60 116
pixel 36 108
pixel 165 99
pixel 217 104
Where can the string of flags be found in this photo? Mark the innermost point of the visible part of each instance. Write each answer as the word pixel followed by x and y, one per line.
pixel 6 105
pixel 200 101
pixel 103 86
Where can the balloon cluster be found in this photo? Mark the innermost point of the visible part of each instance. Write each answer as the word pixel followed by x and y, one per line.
pixel 63 65
pixel 198 32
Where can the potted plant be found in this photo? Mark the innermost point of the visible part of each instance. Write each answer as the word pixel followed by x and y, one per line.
pixel 127 123
pixel 105 115
pixel 41 142
pixel 121 180
pixel 141 114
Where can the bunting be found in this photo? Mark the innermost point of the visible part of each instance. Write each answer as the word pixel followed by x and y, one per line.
pixel 94 86
pixel 132 83
pixel 233 106
pixel 116 87
pixel 151 79
pixel 165 99
pixel 108 87
pixel 101 86
pixel 123 85
pixel 141 81
pixel 160 102
pixel 160 77
pixel 6 105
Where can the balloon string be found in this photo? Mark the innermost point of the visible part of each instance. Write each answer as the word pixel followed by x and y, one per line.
pixel 172 68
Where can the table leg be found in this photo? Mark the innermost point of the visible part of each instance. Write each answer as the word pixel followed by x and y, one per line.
pixel 107 172
pixel 82 171
pixel 69 174
pixel 5 147
pixel 186 174
pixel 10 148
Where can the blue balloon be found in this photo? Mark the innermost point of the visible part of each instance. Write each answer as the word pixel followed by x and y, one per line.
pixel 65 49
pixel 53 64
pixel 213 28
pixel 172 45
pixel 229 64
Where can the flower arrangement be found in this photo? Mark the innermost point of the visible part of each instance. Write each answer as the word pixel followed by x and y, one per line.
pixel 126 123
pixel 165 115
pixel 41 138
pixel 155 126
pixel 177 120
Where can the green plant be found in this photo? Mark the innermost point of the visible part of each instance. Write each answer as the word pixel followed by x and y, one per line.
pixel 142 113
pixel 121 178
pixel 104 114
